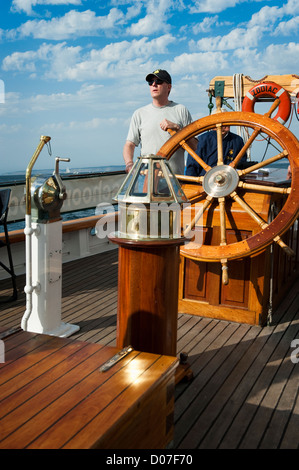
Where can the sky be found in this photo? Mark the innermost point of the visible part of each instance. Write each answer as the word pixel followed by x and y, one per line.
pixel 75 69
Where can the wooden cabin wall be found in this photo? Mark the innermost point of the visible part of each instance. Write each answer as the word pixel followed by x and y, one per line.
pixel 246 298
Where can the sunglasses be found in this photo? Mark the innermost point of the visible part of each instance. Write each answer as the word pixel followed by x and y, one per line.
pixel 157 81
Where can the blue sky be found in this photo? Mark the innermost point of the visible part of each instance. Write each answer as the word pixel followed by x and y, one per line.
pixel 75 69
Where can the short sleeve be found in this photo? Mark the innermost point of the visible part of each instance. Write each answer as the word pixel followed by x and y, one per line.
pixel 134 133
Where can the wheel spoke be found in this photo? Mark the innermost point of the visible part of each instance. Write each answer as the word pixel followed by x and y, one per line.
pixel 191 179
pixel 261 222
pixel 193 154
pixel 275 104
pixel 223 240
pixel 221 201
pixel 205 205
pixel 242 152
pixel 249 210
pixel 219 144
pixel 264 163
pixel 253 136
pixel 261 187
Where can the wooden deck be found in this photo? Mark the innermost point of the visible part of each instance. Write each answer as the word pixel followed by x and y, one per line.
pixel 245 388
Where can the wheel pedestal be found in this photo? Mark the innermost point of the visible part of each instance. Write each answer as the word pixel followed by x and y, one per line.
pixel 255 283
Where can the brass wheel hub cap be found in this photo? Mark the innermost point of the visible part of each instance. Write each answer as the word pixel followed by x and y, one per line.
pixel 220 181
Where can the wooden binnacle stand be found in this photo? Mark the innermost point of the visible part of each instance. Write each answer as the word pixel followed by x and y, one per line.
pixel 149 240
pixel 147 312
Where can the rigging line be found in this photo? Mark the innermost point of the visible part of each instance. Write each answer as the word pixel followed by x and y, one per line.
pixel 295 111
pixel 237 86
pixel 291 116
pixel 268 143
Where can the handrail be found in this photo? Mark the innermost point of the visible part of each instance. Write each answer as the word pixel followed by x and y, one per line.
pixel 17 236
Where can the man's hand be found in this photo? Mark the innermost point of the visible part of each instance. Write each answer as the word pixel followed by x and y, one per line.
pixel 165 124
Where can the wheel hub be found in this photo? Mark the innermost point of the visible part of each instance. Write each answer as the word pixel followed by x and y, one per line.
pixel 220 181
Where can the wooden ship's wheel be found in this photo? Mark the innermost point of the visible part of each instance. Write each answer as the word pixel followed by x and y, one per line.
pixel 222 183
pixel 225 190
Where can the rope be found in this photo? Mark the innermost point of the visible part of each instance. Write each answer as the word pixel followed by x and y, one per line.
pixel 237 85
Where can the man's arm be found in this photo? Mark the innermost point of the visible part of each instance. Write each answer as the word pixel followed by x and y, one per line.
pixel 128 154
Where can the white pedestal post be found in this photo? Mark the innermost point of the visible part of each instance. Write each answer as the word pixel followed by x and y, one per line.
pixel 45 314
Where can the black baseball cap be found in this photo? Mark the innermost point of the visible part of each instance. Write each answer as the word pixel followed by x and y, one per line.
pixel 159 73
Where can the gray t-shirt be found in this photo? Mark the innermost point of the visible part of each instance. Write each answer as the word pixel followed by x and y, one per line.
pixel 145 130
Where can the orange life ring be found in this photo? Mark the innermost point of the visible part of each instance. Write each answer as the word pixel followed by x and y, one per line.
pixel 265 90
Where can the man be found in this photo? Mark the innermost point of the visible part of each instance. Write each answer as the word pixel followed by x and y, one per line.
pixel 149 124
pixel 207 149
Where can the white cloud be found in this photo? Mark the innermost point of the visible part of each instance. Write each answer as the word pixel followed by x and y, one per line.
pixel 133 11
pixel 206 25
pixel 266 17
pixel 12 129
pixel 143 48
pixel 274 59
pixel 10 105
pixel 234 39
pixel 87 96
pixel 119 59
pixel 157 13
pixel 79 126
pixel 58 55
pixel 278 57
pixel 20 61
pixel 26 5
pixel 261 23
pixel 291 7
pixel 62 62
pixel 286 28
pixel 196 63
pixel 215 6
pixel 72 24
pixel 78 24
pixel 212 6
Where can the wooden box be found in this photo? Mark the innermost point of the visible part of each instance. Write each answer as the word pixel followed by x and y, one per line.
pixel 54 396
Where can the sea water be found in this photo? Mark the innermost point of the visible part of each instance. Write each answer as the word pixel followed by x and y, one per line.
pixel 18 177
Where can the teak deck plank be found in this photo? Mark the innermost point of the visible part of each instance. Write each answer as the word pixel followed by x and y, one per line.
pixel 245 388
